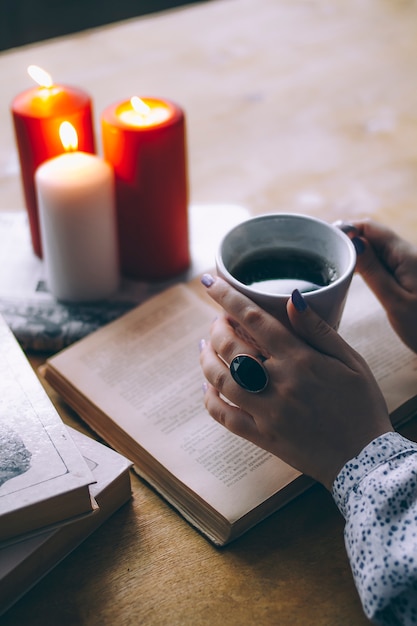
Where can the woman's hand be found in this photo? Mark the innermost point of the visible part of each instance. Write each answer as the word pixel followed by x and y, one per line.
pixel 322 405
pixel 389 266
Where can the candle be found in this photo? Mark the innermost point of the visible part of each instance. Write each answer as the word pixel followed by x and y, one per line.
pixel 76 199
pixel 144 140
pixel 37 115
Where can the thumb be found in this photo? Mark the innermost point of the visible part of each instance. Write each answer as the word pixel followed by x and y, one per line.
pixel 316 332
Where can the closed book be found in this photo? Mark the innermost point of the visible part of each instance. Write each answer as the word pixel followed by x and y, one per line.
pixel 27 561
pixel 44 479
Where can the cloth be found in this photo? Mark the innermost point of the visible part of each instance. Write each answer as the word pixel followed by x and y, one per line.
pixel 376 492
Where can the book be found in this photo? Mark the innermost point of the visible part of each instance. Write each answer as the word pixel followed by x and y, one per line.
pixel 41 323
pixel 137 383
pixel 26 562
pixel 44 479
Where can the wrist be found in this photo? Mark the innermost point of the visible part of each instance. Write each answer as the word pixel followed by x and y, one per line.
pixel 380 450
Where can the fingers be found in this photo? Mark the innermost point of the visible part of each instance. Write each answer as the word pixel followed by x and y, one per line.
pixel 227 341
pixel 269 334
pixel 380 259
pixel 264 330
pixel 388 265
pixel 317 333
pixel 375 273
pixel 233 418
pixel 217 373
pixel 382 239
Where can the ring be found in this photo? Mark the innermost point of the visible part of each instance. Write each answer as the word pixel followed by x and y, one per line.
pixel 249 373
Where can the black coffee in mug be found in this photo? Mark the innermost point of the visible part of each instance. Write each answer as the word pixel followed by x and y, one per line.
pixel 283 270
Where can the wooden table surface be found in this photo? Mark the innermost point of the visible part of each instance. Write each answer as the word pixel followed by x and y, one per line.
pixel 306 106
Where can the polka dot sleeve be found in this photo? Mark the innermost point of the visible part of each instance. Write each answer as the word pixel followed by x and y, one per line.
pixel 376 493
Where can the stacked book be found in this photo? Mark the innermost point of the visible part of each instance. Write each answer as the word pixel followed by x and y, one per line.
pixel 56 485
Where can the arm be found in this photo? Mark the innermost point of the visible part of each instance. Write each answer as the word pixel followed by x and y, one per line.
pixel 321 409
pixel 377 494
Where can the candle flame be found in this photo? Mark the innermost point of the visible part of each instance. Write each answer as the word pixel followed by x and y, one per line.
pixel 40 76
pixel 68 136
pixel 140 106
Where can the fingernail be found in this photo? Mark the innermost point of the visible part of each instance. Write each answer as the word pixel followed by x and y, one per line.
pixel 202 344
pixel 204 387
pixel 359 245
pixel 207 280
pixel 298 301
pixel 348 229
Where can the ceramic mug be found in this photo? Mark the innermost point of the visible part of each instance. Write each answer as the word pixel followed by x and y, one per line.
pixel 267 256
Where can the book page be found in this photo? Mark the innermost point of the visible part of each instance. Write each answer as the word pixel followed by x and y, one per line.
pixel 143 371
pixel 145 374
pixel 365 326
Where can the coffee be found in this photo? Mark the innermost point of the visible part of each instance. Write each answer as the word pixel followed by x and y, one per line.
pixel 281 271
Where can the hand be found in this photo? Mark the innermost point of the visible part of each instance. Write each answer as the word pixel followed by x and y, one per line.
pixel 389 266
pixel 322 405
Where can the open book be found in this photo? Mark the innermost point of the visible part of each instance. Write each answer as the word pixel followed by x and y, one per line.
pixel 24 563
pixel 137 383
pixel 44 480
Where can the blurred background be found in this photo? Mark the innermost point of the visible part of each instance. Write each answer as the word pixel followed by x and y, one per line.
pixel 27 21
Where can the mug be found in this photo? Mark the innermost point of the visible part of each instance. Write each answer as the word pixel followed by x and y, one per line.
pixel 268 256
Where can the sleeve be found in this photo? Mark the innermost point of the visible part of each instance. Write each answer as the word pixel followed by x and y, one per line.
pixel 376 492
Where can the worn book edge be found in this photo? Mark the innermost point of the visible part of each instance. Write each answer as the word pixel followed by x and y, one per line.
pixel 25 563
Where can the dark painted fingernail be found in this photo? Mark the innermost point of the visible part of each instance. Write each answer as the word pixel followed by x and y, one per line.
pixel 359 245
pixel 348 229
pixel 207 280
pixel 298 301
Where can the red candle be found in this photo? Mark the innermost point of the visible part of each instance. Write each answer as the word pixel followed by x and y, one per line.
pixel 145 142
pixel 37 116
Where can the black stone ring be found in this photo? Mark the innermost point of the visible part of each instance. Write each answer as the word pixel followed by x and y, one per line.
pixel 249 373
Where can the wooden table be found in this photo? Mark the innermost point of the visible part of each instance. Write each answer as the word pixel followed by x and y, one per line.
pixel 301 106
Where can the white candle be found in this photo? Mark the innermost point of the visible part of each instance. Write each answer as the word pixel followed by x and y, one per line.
pixel 77 214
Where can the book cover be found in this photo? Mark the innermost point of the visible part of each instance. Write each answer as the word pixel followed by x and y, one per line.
pixel 43 477
pixel 26 562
